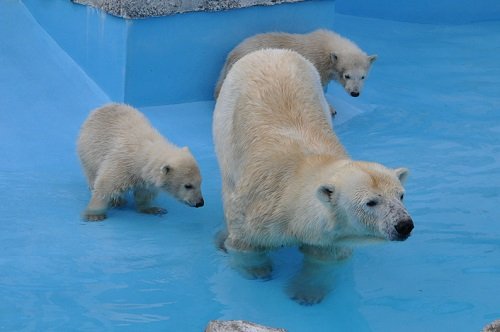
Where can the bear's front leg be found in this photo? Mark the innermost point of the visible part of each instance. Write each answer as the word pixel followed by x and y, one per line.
pixel 108 183
pixel 250 262
pixel 314 281
pixel 143 198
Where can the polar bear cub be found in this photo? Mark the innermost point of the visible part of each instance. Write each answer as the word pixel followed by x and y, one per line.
pixel 335 57
pixel 120 151
pixel 287 180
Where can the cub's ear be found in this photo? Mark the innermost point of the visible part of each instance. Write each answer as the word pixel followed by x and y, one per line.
pixel 333 57
pixel 372 58
pixel 166 169
pixel 402 174
pixel 326 192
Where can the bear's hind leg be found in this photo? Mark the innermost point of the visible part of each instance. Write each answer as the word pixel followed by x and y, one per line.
pixel 143 198
pixel 250 262
pixel 107 184
pixel 118 201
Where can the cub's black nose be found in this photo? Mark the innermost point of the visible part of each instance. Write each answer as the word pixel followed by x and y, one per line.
pixel 354 94
pixel 404 227
pixel 200 203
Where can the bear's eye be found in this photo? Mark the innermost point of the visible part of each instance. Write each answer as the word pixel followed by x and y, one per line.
pixel 188 186
pixel 362 77
pixel 347 76
pixel 402 196
pixel 371 203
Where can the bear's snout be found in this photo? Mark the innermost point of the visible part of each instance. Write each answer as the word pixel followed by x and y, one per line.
pixel 200 203
pixel 354 94
pixel 404 228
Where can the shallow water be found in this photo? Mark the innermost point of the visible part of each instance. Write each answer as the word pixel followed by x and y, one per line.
pixel 431 104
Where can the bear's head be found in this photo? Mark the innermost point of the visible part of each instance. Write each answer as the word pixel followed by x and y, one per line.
pixel 352 70
pixel 366 200
pixel 180 176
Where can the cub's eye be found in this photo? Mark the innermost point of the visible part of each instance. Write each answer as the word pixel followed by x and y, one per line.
pixel 402 196
pixel 347 76
pixel 371 203
pixel 188 186
pixel 362 77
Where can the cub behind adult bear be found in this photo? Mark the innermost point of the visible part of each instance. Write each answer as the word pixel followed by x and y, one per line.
pixel 335 57
pixel 288 181
pixel 120 151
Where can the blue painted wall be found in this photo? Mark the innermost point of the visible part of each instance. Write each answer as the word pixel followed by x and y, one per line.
pixel 178 58
pixel 423 11
pixel 165 60
pixel 96 41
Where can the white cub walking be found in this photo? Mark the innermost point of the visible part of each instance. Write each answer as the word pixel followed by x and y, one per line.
pixel 120 151
pixel 287 180
pixel 335 57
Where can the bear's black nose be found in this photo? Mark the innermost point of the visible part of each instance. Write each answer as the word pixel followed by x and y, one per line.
pixel 404 227
pixel 354 94
pixel 200 203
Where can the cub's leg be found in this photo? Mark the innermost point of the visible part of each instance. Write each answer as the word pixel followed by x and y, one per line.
pixel 96 209
pixel 314 281
pixel 118 201
pixel 333 111
pixel 250 262
pixel 106 185
pixel 143 198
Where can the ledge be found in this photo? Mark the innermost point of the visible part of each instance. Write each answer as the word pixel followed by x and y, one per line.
pixel 153 8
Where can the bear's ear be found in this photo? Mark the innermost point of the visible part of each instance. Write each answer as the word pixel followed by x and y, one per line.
pixel 166 169
pixel 326 192
pixel 402 174
pixel 185 149
pixel 372 58
pixel 333 57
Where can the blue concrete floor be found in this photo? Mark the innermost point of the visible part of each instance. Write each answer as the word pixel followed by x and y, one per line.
pixel 431 103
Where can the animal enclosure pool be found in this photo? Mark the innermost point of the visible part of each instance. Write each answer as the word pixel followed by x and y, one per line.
pixel 431 103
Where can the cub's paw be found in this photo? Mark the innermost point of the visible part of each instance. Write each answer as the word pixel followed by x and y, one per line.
pixel 94 217
pixel 153 210
pixel 333 112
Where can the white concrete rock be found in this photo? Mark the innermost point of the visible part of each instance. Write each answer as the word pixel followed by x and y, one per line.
pixel 151 8
pixel 238 326
pixel 492 327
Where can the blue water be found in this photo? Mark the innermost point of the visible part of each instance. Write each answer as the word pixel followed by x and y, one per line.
pixel 431 103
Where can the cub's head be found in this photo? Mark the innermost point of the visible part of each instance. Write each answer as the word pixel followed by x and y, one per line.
pixel 180 177
pixel 367 201
pixel 352 70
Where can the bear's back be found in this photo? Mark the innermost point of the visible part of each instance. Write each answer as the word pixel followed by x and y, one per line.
pixel 270 117
pixel 278 104
pixel 111 129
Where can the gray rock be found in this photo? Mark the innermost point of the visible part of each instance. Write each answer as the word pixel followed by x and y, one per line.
pixel 151 8
pixel 492 327
pixel 238 326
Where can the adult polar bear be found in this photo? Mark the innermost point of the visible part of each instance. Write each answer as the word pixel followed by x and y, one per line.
pixel 288 181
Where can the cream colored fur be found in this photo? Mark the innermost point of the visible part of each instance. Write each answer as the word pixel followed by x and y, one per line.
pixel 120 151
pixel 287 180
pixel 335 57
